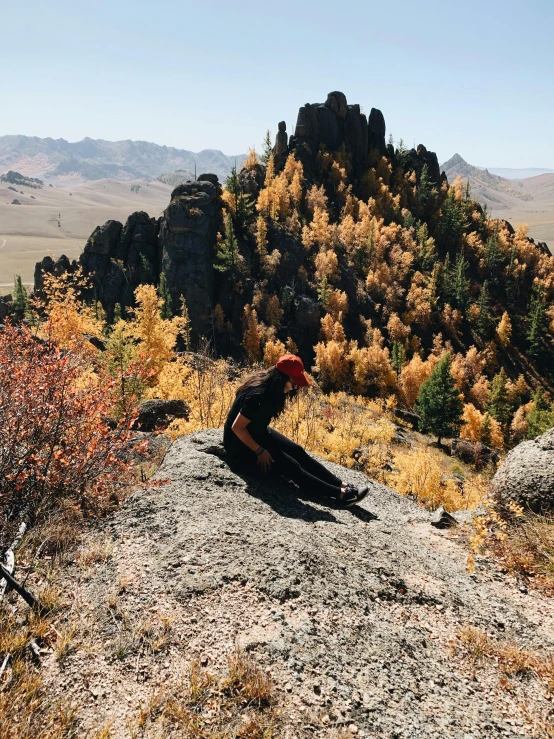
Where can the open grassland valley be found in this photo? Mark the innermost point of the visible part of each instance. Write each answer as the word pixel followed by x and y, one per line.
pixel 151 588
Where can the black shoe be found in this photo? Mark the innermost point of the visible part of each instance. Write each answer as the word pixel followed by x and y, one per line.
pixel 353 495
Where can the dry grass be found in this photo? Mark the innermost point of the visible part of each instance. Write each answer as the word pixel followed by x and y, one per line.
pixel 515 666
pixel 522 542
pixel 238 705
pixel 26 710
pixel 96 551
pixel 508 658
pixel 528 549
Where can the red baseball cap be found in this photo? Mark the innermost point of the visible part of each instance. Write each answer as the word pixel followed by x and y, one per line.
pixel 291 365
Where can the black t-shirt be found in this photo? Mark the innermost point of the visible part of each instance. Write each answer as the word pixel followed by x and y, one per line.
pixel 252 405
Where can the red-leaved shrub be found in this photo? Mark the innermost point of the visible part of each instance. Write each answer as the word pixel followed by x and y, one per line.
pixel 54 439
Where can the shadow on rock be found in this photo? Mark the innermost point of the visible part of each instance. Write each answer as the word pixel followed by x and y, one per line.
pixel 284 497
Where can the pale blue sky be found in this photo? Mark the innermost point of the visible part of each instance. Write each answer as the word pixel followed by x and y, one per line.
pixel 472 77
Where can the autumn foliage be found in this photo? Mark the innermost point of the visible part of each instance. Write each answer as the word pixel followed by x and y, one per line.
pixel 56 442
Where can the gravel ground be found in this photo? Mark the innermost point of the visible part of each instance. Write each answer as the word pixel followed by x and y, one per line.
pixel 352 612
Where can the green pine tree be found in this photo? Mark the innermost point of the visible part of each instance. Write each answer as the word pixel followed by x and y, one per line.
pixel 512 280
pixel 244 206
pixel 425 192
pixel 486 430
pixel 456 284
pixel 267 147
pixel 364 254
pixel 541 417
pixel 227 253
pixel 439 403
pixel 323 292
pixel 494 260
pixel 165 295
pixel 20 298
pixel 484 321
pixel 500 406
pixel 453 222
pixel 117 314
pixel 426 244
pixel 186 323
pixel 398 356
pixel 537 324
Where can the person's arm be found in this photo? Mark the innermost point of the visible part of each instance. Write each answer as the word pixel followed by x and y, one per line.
pixel 240 429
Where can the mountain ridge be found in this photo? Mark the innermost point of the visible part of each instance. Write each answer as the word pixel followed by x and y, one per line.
pixel 481 180
pixel 90 159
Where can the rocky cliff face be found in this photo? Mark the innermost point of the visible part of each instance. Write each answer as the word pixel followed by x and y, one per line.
pixel 117 258
pixel 188 232
pixel 334 125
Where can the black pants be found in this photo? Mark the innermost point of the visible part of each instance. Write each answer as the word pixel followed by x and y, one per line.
pixel 292 462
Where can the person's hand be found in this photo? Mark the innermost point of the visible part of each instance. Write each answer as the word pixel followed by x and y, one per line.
pixel 264 460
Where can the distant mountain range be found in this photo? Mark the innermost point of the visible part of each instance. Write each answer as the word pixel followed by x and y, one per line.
pixel 484 185
pixel 510 173
pixel 58 160
pixel 527 200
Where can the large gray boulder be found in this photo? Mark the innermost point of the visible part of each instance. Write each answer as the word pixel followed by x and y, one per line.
pixel 527 475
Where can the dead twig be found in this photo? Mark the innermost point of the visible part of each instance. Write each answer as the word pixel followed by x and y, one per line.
pixel 5 663
pixel 9 557
pixel 28 597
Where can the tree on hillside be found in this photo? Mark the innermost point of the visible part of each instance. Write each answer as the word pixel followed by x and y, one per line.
pixel 504 329
pixel 20 298
pixel 227 253
pixel 500 406
pixel 267 147
pixel 483 323
pixel 452 223
pixel 398 357
pixel 165 295
pixel 541 416
pixel 425 192
pixel 240 203
pixel 537 324
pixel 439 403
pixel 456 283
pixel 494 260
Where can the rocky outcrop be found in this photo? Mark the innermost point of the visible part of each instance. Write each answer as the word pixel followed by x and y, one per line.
pixel 419 158
pixel 527 475
pixel 155 413
pixel 282 139
pixel 335 125
pixel 48 266
pixel 118 258
pixel 353 613
pixel 332 125
pixel 15 178
pixel 188 233
pixel 473 452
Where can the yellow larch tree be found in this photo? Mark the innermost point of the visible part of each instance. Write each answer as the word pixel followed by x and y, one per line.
pixel 252 335
pixel 326 266
pixel 155 336
pixel 273 311
pixel 68 318
pixel 251 159
pixel 273 350
pixel 504 329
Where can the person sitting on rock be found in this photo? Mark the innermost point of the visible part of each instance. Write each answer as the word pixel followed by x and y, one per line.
pixel 250 441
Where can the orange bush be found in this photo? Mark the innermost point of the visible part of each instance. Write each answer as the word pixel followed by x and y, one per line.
pixel 55 440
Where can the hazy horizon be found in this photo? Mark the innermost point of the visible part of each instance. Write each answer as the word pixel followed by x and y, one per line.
pixel 214 75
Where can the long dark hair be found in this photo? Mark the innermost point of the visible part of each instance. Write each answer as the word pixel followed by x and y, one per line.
pixel 269 384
